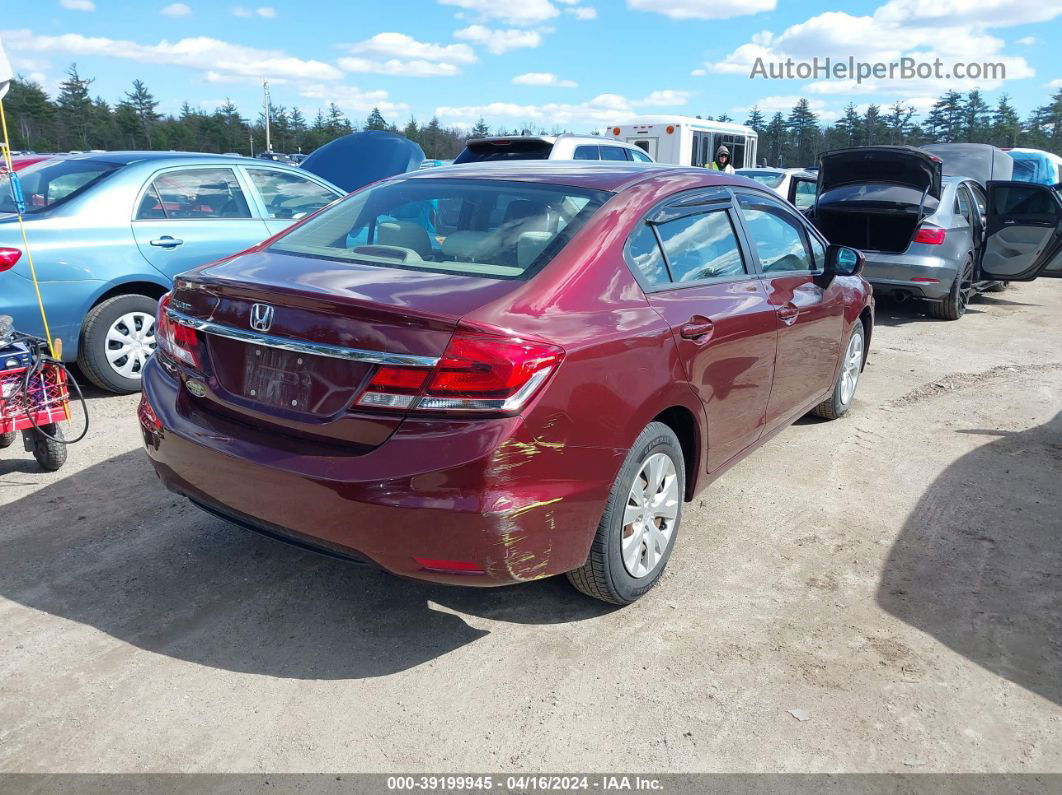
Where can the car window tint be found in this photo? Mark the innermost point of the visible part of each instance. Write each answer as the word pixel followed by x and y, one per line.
pixel 288 196
pixel 613 153
pixel 701 247
pixel 818 252
pixel 963 202
pixel 196 193
pixel 644 253
pixel 1023 200
pixel 778 239
pixel 979 198
pixel 586 153
pixel 638 156
pixel 804 196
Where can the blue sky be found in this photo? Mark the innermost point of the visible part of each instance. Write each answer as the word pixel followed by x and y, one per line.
pixel 581 64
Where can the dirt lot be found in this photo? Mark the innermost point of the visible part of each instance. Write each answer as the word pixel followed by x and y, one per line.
pixel 896 574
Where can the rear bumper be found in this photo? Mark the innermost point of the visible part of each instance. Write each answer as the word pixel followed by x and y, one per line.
pixel 893 274
pixel 470 491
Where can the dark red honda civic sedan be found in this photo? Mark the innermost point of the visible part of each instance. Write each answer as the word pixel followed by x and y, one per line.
pixel 493 373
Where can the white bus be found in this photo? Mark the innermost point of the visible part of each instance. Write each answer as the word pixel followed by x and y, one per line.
pixel 686 141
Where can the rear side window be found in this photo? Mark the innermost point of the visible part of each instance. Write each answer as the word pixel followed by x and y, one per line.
pixel 1022 200
pixel 490 228
pixel 613 153
pixel 638 156
pixel 644 253
pixel 49 183
pixel 962 203
pixel 194 193
pixel 587 153
pixel 288 195
pixel 700 247
pixel 778 238
pixel 505 149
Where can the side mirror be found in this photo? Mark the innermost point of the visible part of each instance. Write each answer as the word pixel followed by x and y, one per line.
pixel 843 261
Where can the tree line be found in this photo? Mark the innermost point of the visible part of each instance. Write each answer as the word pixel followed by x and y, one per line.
pixel 75 120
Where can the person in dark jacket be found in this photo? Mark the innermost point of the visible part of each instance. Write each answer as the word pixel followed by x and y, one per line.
pixel 722 161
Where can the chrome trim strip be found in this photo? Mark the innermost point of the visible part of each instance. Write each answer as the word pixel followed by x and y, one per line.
pixel 302 346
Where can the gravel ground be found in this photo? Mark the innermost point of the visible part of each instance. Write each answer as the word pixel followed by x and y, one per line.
pixel 894 577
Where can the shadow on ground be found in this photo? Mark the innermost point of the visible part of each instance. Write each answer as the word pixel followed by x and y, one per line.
pixel 110 548
pixel 978 564
pixel 890 312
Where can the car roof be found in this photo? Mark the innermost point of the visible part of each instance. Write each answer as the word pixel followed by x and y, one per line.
pixel 552 139
pixel 594 175
pixel 125 158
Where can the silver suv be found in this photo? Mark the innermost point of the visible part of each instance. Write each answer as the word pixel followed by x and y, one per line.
pixel 550 147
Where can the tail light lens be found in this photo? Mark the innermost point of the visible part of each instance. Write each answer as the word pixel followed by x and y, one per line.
pixel 8 257
pixel 931 235
pixel 477 373
pixel 176 340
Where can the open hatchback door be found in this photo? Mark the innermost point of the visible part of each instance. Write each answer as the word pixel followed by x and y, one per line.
pixel 1024 232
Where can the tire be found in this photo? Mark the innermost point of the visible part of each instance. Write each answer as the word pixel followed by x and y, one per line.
pixel 131 317
pixel 7 439
pixel 844 389
pixel 954 306
pixel 50 454
pixel 998 287
pixel 655 465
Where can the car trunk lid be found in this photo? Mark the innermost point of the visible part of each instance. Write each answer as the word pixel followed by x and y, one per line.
pixel 292 341
pixel 896 165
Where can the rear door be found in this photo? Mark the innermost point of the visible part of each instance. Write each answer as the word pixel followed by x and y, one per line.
pixel 188 216
pixel 809 318
pixel 690 262
pixel 1024 232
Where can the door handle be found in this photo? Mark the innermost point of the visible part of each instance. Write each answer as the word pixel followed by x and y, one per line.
pixel 788 313
pixel 166 242
pixel 697 328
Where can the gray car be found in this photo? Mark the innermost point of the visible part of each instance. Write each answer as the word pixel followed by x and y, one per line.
pixel 925 235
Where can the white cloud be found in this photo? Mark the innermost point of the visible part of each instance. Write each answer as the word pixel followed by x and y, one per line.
pixel 666 98
pixel 241 11
pixel 698 72
pixel 78 5
pixel 702 9
pixel 499 41
pixel 543 79
pixel 266 11
pixel 511 12
pixel 1027 41
pixel 899 28
pixel 602 109
pixel 1055 83
pixel 201 53
pixel 176 10
pixel 353 99
pixel 583 13
pixel 399 54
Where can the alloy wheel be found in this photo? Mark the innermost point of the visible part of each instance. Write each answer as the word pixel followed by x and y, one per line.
pixel 649 516
pixel 852 366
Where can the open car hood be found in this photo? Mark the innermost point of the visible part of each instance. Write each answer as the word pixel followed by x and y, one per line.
pixel 355 160
pixel 980 162
pixel 895 165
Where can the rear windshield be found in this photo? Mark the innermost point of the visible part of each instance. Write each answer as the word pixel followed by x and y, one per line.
pixel 772 179
pixel 490 228
pixel 51 182
pixel 505 150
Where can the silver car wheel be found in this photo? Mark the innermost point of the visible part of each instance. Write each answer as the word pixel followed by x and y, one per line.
pixel 650 514
pixel 852 365
pixel 130 342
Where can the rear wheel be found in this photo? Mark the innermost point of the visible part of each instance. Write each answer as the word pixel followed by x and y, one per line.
pixel 7 439
pixel 117 340
pixel 840 400
pixel 954 306
pixel 641 521
pixel 50 453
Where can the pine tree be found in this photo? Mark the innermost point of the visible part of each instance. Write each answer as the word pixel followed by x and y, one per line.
pixel 298 129
pixel 375 121
pixel 33 115
pixel 1006 126
pixel 850 126
pixel 724 118
pixel 946 119
pixel 977 119
pixel 775 140
pixel 875 129
pixel 804 135
pixel 1048 123
pixel 899 121
pixel 143 105
pixel 75 110
pixel 480 129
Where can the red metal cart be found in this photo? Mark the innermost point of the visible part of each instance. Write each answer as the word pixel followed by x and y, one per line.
pixel 35 408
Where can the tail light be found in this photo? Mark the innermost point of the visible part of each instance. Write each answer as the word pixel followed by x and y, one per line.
pixel 477 373
pixel 8 257
pixel 176 340
pixel 931 235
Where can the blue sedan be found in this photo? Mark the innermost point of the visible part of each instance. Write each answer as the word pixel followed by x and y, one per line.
pixel 109 231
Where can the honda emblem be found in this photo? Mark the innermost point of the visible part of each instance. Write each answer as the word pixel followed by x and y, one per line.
pixel 261 317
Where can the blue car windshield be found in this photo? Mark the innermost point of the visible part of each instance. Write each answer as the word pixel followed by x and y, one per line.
pixel 51 182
